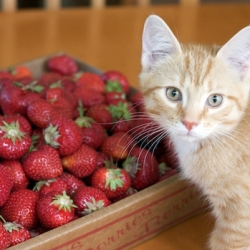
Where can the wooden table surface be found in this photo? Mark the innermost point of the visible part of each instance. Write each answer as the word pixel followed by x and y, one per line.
pixel 111 39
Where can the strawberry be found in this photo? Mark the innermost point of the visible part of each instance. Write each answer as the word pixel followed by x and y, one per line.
pixel 4 74
pixel 73 183
pixel 142 168
pixel 14 139
pixel 64 135
pixel 9 99
pixel 62 64
pixel 93 133
pixel 20 180
pixel 23 122
pixel 113 182
pixel 117 146
pixel 115 97
pixel 101 159
pixel 20 72
pixel 136 99
pixel 82 162
pixel 16 232
pixel 62 101
pixel 116 79
pixel 144 129
pixel 49 78
pixel 122 114
pixel 6 183
pixel 89 200
pixel 68 84
pixel 25 100
pixel 123 110
pixel 42 164
pixel 88 97
pixel 4 238
pixel 21 208
pixel 91 81
pixel 55 209
pixel 52 185
pixel 40 113
pixel 100 113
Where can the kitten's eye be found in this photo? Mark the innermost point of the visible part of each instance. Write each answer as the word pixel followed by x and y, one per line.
pixel 214 100
pixel 173 94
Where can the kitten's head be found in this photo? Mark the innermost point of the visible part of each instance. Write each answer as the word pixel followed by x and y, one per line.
pixel 194 92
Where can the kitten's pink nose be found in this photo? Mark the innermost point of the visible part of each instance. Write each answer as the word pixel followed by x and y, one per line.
pixel 189 125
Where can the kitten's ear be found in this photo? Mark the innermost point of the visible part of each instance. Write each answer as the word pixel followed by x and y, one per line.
pixel 158 41
pixel 236 52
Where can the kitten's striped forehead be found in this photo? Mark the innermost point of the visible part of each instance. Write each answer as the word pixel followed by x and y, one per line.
pixel 197 64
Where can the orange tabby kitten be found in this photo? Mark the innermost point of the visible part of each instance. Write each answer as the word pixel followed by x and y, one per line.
pixel 200 96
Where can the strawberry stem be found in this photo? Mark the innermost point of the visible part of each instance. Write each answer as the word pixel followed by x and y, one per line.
pixel 63 201
pixel 113 179
pixel 12 131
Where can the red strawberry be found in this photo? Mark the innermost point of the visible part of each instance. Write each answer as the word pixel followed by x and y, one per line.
pixel 100 113
pixel 16 233
pixel 20 72
pixel 115 97
pixel 10 99
pixel 21 208
pixel 55 209
pixel 73 183
pixel 144 129
pixel 20 180
pixel 68 84
pixel 91 81
pixel 88 97
pixel 40 113
pixel 64 135
pixel 63 107
pixel 25 100
pixel 5 75
pixel 93 133
pixel 102 158
pixel 123 110
pixel 136 99
pixel 6 183
pixel 23 122
pixel 116 78
pixel 117 146
pixel 142 168
pixel 82 162
pixel 42 164
pixel 4 238
pixel 49 78
pixel 58 96
pixel 113 182
pixel 62 64
pixel 52 185
pixel 89 200
pixel 14 139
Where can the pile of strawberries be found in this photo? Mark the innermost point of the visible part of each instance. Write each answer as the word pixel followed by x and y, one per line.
pixel 71 143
